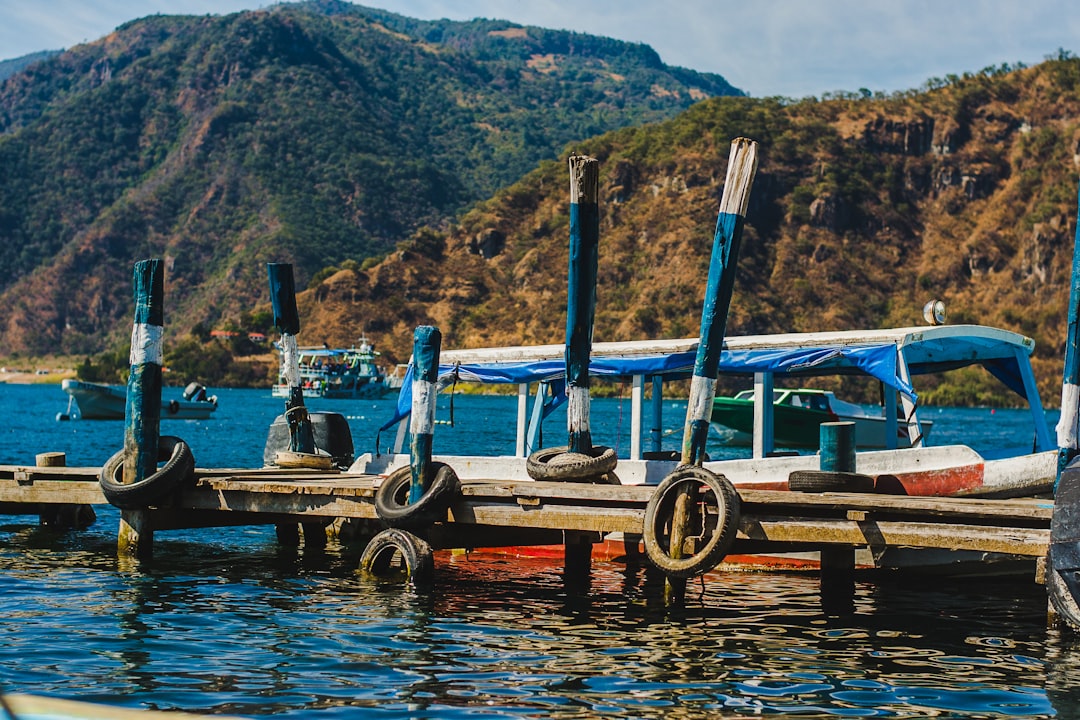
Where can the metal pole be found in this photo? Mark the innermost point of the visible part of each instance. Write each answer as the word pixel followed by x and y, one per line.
pixel 142 414
pixel 742 165
pixel 1067 427
pixel 287 321
pixel 427 344
pixel 581 296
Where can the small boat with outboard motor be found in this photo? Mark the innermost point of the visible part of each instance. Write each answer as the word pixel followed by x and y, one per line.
pixel 95 401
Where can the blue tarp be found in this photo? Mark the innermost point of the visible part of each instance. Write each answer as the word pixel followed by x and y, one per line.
pixel 878 361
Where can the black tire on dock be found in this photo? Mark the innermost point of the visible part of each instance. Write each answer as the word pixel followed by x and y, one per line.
pixel 392 498
pixel 396 552
pixel 559 464
pixel 830 481
pixel 714 520
pixel 178 470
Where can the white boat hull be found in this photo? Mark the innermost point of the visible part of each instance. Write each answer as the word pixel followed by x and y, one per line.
pixel 104 402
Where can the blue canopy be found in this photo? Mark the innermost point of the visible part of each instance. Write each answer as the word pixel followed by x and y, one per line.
pixel 878 361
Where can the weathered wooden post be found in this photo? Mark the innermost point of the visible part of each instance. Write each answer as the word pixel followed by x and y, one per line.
pixel 142 415
pixel 427 345
pixel 581 296
pixel 1068 426
pixel 1063 558
pixel 287 321
pixel 742 166
pixel 63 516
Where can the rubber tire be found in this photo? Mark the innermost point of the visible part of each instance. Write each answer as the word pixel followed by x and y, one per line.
pixel 661 507
pixel 415 553
pixel 179 469
pixel 602 460
pixel 829 481
pixel 392 498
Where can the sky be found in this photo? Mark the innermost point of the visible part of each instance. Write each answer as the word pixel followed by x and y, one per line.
pixel 789 48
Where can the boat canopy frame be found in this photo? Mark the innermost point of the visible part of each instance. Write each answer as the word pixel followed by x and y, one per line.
pixel 892 356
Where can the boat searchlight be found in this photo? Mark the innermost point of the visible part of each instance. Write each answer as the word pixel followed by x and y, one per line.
pixel 934 312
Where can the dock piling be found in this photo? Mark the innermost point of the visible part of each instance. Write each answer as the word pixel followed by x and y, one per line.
pixel 427 345
pixel 287 321
pixel 142 416
pixel 1068 427
pixel 685 488
pixel 581 296
pixel 142 419
pixel 742 166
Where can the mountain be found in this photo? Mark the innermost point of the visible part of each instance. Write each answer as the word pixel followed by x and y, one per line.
pixel 14 65
pixel 312 133
pixel 864 208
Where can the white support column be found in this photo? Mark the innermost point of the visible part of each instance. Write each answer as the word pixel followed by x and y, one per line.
pixel 522 418
pixel 764 439
pixel 637 394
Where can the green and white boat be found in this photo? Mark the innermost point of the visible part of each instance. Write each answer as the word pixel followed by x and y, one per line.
pixel 797 417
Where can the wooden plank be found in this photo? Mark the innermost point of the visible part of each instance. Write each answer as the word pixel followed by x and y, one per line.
pixel 554 517
pixel 1032 509
pixel 309 505
pixel 1013 541
pixel 74 492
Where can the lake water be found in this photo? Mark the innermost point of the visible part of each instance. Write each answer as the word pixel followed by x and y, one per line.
pixel 225 621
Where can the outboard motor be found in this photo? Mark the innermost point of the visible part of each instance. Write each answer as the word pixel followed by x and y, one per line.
pixel 195 391
pixel 330 430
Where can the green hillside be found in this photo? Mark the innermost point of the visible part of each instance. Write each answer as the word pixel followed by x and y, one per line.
pixel 311 133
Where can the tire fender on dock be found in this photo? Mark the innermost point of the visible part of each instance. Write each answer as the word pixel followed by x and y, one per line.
pixel 392 498
pixel 711 495
pixel 414 555
pixel 178 470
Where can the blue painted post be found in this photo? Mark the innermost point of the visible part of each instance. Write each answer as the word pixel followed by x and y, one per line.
pixel 837 441
pixel 287 321
pixel 427 344
pixel 142 413
pixel 581 296
pixel 742 166
pixel 1067 427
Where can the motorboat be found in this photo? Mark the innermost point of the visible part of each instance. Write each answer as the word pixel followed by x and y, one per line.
pixel 797 417
pixel 95 401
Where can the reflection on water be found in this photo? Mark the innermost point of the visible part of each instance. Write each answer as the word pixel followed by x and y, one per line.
pixel 239 626
pixel 225 621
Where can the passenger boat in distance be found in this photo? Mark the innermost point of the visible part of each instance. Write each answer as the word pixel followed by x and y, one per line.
pixel 797 417
pixel 96 401
pixel 338 373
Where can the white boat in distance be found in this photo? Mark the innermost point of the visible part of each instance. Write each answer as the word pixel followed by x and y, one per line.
pixel 106 402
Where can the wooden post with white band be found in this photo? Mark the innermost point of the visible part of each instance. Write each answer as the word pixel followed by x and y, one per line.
pixel 742 166
pixel 581 296
pixel 427 345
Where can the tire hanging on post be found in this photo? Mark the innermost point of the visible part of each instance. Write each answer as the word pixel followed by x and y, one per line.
pixel 711 515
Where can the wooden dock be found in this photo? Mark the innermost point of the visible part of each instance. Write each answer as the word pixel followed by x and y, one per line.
pixel 494 513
